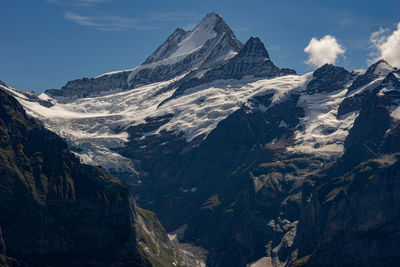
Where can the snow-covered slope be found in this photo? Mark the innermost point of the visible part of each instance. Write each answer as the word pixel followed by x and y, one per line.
pixel 97 125
pixel 322 132
pixel 184 42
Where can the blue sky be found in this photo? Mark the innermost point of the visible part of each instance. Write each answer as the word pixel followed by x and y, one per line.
pixel 45 43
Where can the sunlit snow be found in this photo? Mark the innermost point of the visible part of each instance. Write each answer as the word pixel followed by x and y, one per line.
pixel 91 122
pixel 322 132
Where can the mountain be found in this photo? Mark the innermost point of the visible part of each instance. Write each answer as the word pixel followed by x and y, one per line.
pixel 252 162
pixel 211 43
pixel 56 211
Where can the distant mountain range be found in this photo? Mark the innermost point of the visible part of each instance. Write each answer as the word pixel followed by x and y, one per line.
pixel 251 162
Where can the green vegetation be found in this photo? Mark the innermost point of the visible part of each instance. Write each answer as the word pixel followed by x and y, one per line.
pixel 152 243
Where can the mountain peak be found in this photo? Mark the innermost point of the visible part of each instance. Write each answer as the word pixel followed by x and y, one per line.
pixel 380 61
pixel 254 48
pixel 328 70
pixel 212 15
pixel 181 43
pixel 381 67
pixel 211 19
pixel 214 22
pixel 328 78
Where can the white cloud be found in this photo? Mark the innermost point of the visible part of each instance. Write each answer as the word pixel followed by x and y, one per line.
pixel 105 22
pixel 386 46
pixel 325 50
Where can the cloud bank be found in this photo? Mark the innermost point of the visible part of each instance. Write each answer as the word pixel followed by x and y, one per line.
pixel 322 51
pixel 386 46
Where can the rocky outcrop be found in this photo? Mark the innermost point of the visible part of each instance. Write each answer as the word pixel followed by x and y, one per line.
pixel 86 86
pixel 328 78
pixel 57 211
pixel 253 59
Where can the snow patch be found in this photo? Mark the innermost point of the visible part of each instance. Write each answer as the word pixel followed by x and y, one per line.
pixel 194 41
pixel 321 132
pixel 189 190
pixel 283 124
pixel 396 113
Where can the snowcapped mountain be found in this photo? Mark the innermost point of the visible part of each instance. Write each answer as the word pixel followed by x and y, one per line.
pixel 211 34
pixel 211 43
pixel 218 141
pixel 97 124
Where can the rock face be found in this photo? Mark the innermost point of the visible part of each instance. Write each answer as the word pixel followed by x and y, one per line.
pixel 86 86
pixel 351 217
pixel 56 211
pixel 368 81
pixel 328 78
pixel 350 210
pixel 253 60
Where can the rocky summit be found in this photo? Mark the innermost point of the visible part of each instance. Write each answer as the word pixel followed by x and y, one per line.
pixel 244 163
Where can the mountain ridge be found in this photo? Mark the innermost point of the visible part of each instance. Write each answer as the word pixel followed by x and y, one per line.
pixel 210 43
